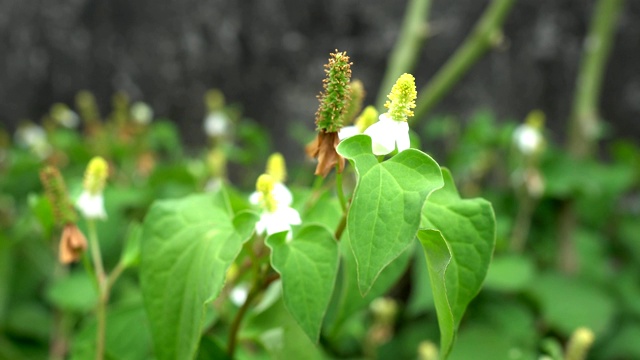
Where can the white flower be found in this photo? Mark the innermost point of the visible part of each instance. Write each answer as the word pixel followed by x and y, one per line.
pixel 35 138
pixel 216 124
pixel 275 200
pixel 91 205
pixel 69 119
pixel 141 113
pixel 387 133
pixel 277 221
pixel 280 193
pixel 528 139
pixel 239 294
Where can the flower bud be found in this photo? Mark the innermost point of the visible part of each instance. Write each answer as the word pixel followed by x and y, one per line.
pixel 368 117
pixel 579 344
pixel 356 95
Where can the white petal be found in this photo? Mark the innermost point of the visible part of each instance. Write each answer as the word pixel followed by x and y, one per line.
pixel 347 132
pixel 382 139
pixel 216 124
pixel 255 198
pixel 239 294
pixel 291 214
pixel 91 206
pixel 282 194
pixel 402 135
pixel 527 139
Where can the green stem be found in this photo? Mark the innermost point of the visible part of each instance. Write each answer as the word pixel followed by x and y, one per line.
pixel 341 226
pixel 262 282
pixel 485 35
pixel 340 191
pixel 114 275
pixel 522 225
pixel 583 127
pixel 407 49
pixel 101 310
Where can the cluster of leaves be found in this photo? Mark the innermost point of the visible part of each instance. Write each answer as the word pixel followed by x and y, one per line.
pixel 47 309
pixel 531 301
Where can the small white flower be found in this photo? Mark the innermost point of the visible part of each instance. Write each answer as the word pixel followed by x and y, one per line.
pixel 91 205
pixel 239 294
pixel 280 193
pixel 277 221
pixel 387 133
pixel 69 119
pixel 528 139
pixel 35 138
pixel 216 124
pixel 141 113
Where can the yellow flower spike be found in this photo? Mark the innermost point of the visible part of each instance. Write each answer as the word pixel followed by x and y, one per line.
pixel 368 117
pixel 96 175
pixel 265 185
pixel 536 119
pixel 277 168
pixel 402 98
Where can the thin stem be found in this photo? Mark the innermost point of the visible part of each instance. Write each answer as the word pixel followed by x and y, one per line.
pixel 101 310
pixel 523 221
pixel 340 191
pixel 261 283
pixel 407 49
pixel 114 275
pixel 583 127
pixel 341 226
pixel 484 36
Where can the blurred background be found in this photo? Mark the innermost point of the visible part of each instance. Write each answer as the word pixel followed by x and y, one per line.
pixel 267 56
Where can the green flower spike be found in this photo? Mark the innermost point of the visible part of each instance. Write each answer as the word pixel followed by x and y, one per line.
pixel 56 191
pixel 334 102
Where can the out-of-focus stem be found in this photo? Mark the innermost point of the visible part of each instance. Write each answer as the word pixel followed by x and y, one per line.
pixel 486 34
pixel 526 205
pixel 583 126
pixel 103 296
pixel 407 48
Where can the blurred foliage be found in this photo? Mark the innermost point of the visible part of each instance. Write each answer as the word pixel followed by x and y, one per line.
pixel 528 306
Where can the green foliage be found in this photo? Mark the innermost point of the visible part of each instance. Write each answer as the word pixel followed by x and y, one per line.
pixel 385 211
pixel 188 245
pixel 308 265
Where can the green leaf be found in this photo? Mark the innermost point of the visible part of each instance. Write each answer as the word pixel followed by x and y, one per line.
pixel 385 211
pixel 75 292
pixel 308 265
pixel 510 273
pixel 187 246
pixel 568 303
pixel 458 240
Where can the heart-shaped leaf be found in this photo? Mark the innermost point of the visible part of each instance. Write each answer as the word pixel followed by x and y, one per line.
pixel 385 211
pixel 308 265
pixel 458 240
pixel 186 248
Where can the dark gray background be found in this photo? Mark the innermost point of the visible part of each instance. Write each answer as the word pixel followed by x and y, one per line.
pixel 268 56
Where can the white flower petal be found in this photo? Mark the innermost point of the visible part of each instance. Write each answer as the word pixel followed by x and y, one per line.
pixel 216 124
pixel 381 133
pixel 255 198
pixel 527 139
pixel 402 135
pixel 282 194
pixel 91 206
pixel 347 132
